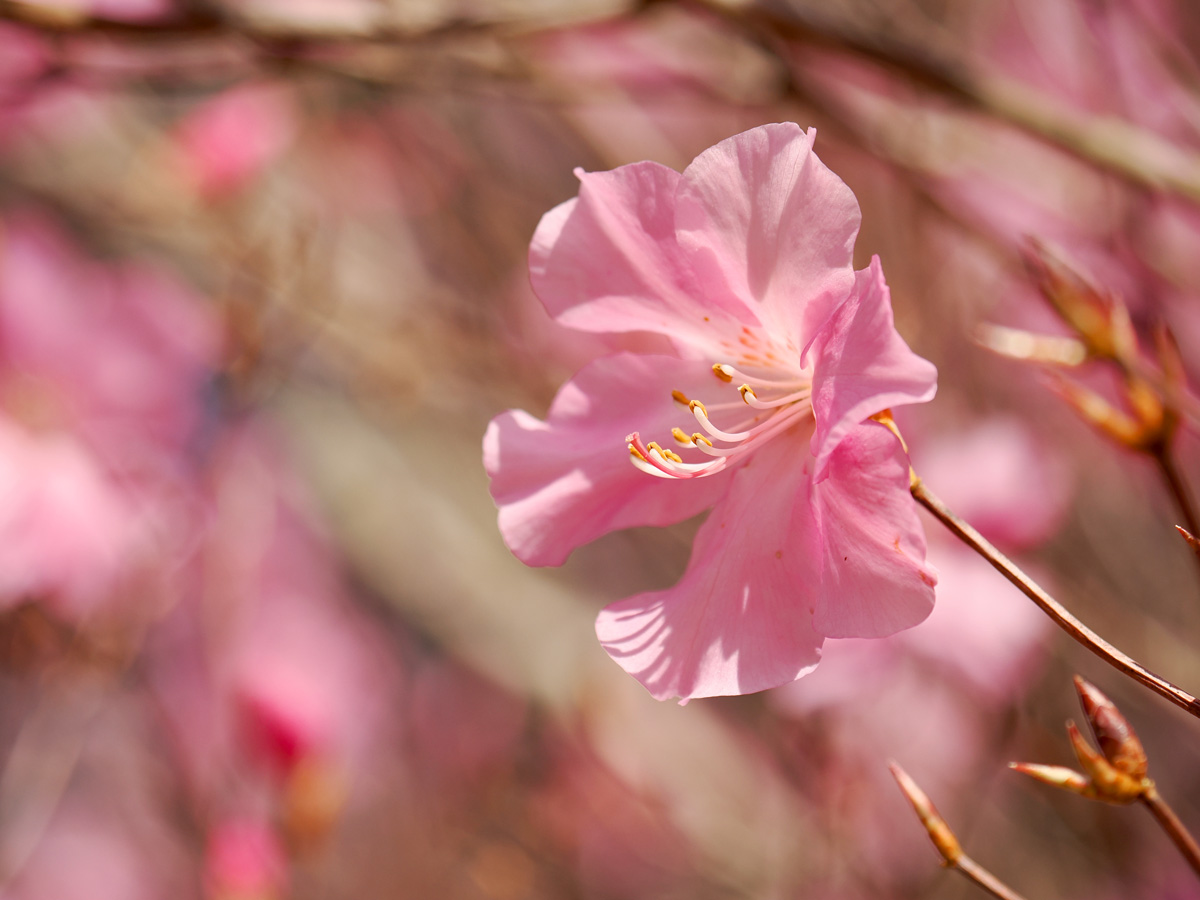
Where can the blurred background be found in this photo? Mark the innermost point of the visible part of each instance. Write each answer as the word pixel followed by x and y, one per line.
pixel 262 286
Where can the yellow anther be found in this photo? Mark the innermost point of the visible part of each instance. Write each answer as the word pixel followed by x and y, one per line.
pixel 679 435
pixel 680 397
pixel 654 445
pixel 696 403
pixel 671 455
pixel 724 372
pixel 698 438
pixel 746 389
pixel 636 453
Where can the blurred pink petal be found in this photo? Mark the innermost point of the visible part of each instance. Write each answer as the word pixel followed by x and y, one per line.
pixel 1000 478
pixel 118 354
pixel 983 630
pixel 89 853
pixel 244 859
pixel 265 668
pixel 66 534
pixel 229 139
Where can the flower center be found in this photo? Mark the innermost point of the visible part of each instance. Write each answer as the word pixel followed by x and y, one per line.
pixel 776 402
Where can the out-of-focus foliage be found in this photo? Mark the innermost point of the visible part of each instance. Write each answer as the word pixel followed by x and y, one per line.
pixel 262 285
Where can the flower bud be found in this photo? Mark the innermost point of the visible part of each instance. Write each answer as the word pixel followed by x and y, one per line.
pixel 1116 737
pixel 1056 776
pixel 1099 318
pixel 1094 409
pixel 939 832
pixel 1108 783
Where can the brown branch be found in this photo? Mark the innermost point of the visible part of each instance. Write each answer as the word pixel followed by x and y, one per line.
pixel 1116 145
pixel 944 840
pixel 1051 607
pixel 1172 825
pixel 213 20
pixel 985 879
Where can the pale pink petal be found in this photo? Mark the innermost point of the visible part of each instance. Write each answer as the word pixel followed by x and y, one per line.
pixel 986 635
pixel 608 261
pixel 862 365
pixel 1001 478
pixel 763 219
pixel 740 619
pixel 874 580
pixel 568 480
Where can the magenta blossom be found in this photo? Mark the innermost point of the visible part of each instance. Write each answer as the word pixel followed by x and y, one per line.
pixel 778 354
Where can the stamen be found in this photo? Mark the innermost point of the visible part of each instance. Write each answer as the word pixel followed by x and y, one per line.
pixel 786 401
pixel 669 454
pixel 752 399
pixel 701 416
pixel 666 464
pixel 642 463
pixel 681 436
pixel 759 381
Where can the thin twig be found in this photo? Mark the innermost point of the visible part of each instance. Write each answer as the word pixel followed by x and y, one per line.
pixel 985 879
pixel 945 841
pixel 1179 492
pixel 1051 607
pixel 1174 828
pixel 217 20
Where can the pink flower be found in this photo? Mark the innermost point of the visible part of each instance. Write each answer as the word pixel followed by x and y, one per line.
pixel 744 262
pixel 227 140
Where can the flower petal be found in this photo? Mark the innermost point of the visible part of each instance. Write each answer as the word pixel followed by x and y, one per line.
pixel 759 215
pixel 740 619
pixel 874 580
pixel 862 365
pixel 566 481
pixel 608 261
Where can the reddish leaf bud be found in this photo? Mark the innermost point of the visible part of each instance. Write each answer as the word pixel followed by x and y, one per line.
pixel 1056 776
pixel 1116 737
pixel 1108 783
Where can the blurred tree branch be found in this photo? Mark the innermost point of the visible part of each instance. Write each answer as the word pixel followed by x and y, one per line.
pixel 1135 154
pixel 1116 145
pixel 204 20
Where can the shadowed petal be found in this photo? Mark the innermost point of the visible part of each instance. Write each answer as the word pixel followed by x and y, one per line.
pixel 874 578
pixel 609 261
pixel 740 619
pixel 762 217
pixel 862 365
pixel 568 480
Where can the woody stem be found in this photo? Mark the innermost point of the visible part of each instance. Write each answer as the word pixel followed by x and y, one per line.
pixel 1174 828
pixel 1179 493
pixel 985 879
pixel 1051 607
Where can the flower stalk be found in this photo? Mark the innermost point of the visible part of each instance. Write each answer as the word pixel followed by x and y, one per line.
pixel 1051 607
